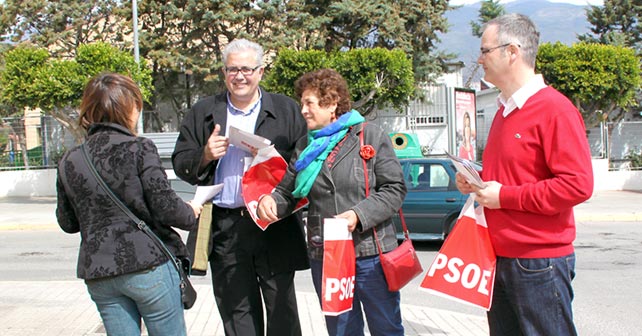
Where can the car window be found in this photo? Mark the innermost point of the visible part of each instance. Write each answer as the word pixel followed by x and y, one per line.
pixel 438 176
pixel 412 175
pixel 427 177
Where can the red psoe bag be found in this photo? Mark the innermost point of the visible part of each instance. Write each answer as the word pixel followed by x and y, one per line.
pixel 265 173
pixel 339 263
pixel 464 268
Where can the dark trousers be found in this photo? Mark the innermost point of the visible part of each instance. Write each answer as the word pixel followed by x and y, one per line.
pixel 532 297
pixel 241 279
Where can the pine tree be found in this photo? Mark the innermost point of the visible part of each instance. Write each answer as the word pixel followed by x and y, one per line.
pixel 489 10
pixel 616 23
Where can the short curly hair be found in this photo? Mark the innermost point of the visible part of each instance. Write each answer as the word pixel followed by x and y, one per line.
pixel 329 86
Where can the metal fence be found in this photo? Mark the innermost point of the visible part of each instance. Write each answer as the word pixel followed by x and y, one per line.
pixel 39 142
pixel 32 143
pixel 620 142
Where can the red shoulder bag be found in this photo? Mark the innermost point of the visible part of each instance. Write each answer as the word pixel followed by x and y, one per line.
pixel 401 264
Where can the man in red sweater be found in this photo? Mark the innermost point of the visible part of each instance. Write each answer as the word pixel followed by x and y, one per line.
pixel 537 166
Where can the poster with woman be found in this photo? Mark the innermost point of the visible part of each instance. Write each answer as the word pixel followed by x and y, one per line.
pixel 465 124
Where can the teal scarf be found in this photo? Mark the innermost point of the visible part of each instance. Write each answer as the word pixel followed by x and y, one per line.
pixel 320 144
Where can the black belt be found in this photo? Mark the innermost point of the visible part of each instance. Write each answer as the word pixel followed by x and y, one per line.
pixel 240 211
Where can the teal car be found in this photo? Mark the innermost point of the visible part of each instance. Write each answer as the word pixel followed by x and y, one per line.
pixel 433 203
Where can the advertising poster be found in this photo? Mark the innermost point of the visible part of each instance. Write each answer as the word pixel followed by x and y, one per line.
pixel 465 124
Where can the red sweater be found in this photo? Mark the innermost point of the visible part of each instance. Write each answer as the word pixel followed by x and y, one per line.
pixel 540 155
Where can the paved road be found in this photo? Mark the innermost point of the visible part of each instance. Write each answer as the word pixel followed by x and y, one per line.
pixel 61 307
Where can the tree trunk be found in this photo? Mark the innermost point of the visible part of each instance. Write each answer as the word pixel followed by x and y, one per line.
pixel 25 154
pixel 64 117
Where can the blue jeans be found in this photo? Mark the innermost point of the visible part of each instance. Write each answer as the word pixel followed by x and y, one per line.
pixel 381 307
pixel 152 294
pixel 533 297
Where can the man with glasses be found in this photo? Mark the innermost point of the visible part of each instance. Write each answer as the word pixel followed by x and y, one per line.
pixel 537 166
pixel 249 266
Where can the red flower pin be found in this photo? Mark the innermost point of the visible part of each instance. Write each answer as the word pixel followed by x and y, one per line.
pixel 367 152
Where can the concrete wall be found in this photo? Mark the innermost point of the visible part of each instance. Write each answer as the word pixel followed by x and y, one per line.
pixel 28 183
pixel 616 179
pixel 42 183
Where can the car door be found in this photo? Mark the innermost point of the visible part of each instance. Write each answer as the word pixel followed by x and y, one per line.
pixel 432 197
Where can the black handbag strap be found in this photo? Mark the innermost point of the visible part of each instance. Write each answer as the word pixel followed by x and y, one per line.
pixel 365 173
pixel 139 222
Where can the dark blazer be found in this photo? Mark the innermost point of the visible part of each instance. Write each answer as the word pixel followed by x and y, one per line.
pixel 281 122
pixel 111 244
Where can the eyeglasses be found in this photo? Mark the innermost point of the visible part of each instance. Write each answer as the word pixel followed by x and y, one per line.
pixel 485 51
pixel 245 71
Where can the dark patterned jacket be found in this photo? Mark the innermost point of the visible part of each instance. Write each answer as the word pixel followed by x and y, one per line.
pixel 110 242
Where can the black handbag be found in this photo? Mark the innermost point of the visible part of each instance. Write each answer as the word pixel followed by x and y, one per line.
pixel 183 265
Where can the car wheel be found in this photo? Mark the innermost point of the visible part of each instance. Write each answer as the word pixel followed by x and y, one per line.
pixel 450 226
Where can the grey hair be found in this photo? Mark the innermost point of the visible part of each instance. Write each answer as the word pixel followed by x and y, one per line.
pixel 519 29
pixel 240 45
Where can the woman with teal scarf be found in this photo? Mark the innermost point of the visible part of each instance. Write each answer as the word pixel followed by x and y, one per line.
pixel 328 169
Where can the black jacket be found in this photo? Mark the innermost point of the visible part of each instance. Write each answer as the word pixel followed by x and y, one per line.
pixel 110 243
pixel 281 122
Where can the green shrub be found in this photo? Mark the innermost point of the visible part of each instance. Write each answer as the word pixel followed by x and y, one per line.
pixel 635 157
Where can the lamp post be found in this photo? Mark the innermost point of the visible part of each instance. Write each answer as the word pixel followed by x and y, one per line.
pixel 136 55
pixel 604 132
pixel 135 24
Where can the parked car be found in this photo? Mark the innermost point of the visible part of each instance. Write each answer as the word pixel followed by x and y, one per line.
pixel 433 202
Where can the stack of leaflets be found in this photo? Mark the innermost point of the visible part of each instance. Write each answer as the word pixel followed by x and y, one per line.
pixel 466 168
pixel 247 141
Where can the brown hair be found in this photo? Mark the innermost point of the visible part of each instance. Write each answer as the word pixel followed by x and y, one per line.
pixel 110 97
pixel 329 85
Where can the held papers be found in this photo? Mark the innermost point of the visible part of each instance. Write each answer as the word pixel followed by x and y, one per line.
pixel 243 140
pixel 466 168
pixel 247 141
pixel 205 193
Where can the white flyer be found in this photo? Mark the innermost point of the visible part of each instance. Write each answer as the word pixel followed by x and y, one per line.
pixel 205 193
pixel 246 140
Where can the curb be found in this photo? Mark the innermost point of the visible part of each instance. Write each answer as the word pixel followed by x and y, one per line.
pixel 29 227
pixel 579 218
pixel 609 218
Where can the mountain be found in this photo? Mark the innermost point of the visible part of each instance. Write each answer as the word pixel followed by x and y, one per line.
pixel 556 22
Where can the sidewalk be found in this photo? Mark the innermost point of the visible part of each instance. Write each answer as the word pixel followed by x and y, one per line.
pixel 611 206
pixel 64 308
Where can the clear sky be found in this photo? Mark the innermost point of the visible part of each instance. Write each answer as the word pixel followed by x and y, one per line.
pixel 575 2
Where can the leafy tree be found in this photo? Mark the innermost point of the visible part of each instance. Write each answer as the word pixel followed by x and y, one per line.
pixel 410 25
pixel 489 10
pixel 595 77
pixel 376 77
pixel 183 39
pixel 635 156
pixel 617 22
pixel 62 26
pixel 5 110
pixel 189 35
pixel 33 79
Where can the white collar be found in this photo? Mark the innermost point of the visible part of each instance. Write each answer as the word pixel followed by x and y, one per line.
pixel 519 98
